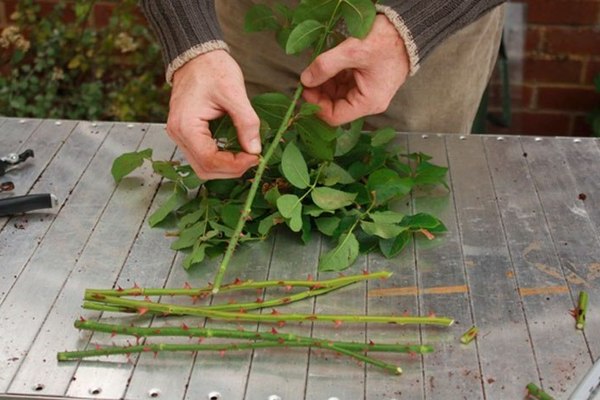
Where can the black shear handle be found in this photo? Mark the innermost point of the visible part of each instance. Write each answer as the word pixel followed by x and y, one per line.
pixel 21 204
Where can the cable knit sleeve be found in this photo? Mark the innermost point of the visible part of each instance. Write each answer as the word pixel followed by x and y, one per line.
pixel 184 28
pixel 424 24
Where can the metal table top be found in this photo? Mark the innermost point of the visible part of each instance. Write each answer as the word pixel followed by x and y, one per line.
pixel 521 244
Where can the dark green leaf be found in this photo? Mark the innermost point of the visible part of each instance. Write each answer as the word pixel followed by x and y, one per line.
pixel 176 200
pixel 260 18
pixel 306 229
pixel 269 222
pixel 303 36
pixel 315 211
pixel 383 136
pixel 317 137
pixel 320 10
pixel 272 195
pixel 191 218
pixel 423 221
pixel 427 173
pixel 290 207
pixel 327 225
pixel 294 167
pixel 333 174
pixel 390 217
pixel 227 231
pixel 331 199
pixel 129 162
pixel 342 256
pixel 196 256
pixel 392 247
pixel 165 169
pixel 386 184
pixel 271 107
pixel 347 139
pixel 359 16
pixel 382 229
pixel 312 125
pixel 231 213
pixel 308 109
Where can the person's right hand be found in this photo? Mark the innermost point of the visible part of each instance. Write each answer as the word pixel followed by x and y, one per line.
pixel 205 89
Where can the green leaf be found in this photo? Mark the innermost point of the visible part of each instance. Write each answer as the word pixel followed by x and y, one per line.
pixel 260 18
pixel 129 162
pixel 294 167
pixel 423 221
pixel 271 107
pixel 165 169
pixel 231 213
pixel 319 10
pixel 196 256
pixel 272 195
pixel 390 217
pixel 306 229
pixel 315 211
pixel 290 207
pixel 386 184
pixel 317 137
pixel 392 247
pixel 268 222
pixel 331 199
pixel 176 200
pixel 312 125
pixel 227 231
pixel 333 174
pixel 342 256
pixel 303 36
pixel 382 229
pixel 383 136
pixel 327 225
pixel 427 173
pixel 191 218
pixel 359 16
pixel 308 109
pixel 348 139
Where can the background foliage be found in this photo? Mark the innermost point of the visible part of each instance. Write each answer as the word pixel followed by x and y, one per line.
pixel 58 67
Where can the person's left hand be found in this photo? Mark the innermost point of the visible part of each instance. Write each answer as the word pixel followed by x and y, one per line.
pixel 359 77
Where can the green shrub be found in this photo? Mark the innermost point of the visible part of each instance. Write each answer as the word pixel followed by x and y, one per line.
pixel 594 116
pixel 54 67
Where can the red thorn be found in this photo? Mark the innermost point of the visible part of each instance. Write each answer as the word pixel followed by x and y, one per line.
pixel 259 300
pixel 281 341
pixel 98 347
pixel 200 340
pixel 136 286
pixel 242 311
pixel 222 353
pixel 286 300
pixel 274 331
pixel 120 289
pixel 142 310
pixel 113 334
pixel 82 319
pixel 311 317
pixel 412 355
pixel 405 313
pixel 157 331
pixel 337 323
pixel 365 272
pixel 185 327
pixel 147 299
pixel 309 277
pixel 186 285
pixel 371 343
pixel 281 324
pixel 147 349
pixel 317 286
pixel 237 281
pixel 431 314
pixel 195 299
pixel 274 312
pixel 288 288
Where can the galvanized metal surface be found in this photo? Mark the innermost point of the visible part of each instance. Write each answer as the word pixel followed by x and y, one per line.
pixel 521 244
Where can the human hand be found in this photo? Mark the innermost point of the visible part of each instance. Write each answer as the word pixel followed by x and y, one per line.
pixel 359 77
pixel 205 89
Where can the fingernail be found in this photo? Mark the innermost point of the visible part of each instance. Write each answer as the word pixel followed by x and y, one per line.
pixel 254 146
pixel 306 77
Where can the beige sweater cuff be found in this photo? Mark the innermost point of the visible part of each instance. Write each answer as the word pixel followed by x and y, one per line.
pixel 192 53
pixel 405 34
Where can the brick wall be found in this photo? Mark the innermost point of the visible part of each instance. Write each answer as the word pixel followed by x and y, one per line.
pixel 561 59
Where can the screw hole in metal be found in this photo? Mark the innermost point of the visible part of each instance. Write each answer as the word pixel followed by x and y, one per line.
pixel 38 387
pixel 95 391
pixel 214 396
pixel 576 140
pixel 461 137
pixel 500 138
pixel 154 393
pixel 425 136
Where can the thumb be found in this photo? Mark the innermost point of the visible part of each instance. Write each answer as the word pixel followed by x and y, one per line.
pixel 246 123
pixel 327 65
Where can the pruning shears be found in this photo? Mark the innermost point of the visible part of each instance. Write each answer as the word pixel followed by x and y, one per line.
pixel 21 204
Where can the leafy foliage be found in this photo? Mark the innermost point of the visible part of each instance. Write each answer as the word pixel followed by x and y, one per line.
pixel 339 181
pixel 594 116
pixel 60 65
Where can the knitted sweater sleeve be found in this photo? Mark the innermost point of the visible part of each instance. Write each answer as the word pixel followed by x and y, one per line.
pixel 188 28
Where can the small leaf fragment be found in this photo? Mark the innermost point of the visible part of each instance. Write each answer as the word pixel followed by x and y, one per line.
pixel 342 256
pixel 129 162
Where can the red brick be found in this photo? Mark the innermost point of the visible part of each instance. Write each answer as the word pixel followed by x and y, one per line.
pixel 570 98
pixel 582 127
pixel 520 96
pixel 534 39
pixel 552 71
pixel 584 41
pixel 593 70
pixel 530 123
pixel 563 12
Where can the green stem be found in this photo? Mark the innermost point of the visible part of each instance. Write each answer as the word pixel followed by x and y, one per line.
pixel 537 393
pixel 184 331
pixel 222 347
pixel 253 189
pixel 242 285
pixel 172 309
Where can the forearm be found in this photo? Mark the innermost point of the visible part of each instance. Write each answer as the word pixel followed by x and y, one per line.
pixel 184 28
pixel 424 24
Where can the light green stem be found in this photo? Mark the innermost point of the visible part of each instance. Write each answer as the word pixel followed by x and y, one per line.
pixel 184 331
